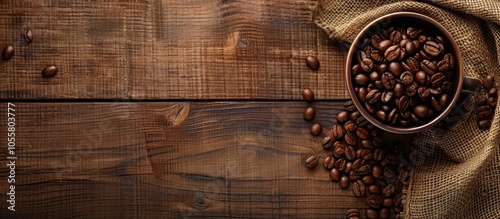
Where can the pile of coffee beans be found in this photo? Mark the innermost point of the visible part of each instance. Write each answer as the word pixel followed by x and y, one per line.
pixel 404 76
pixel 487 102
pixel 358 160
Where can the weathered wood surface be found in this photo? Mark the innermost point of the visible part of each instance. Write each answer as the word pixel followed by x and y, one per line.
pixel 171 160
pixel 167 49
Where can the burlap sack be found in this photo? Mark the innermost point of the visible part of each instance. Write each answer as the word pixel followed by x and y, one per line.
pixel 457 166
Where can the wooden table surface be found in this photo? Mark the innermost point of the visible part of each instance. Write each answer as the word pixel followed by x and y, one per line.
pixel 168 109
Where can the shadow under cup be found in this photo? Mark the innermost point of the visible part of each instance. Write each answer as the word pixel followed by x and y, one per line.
pixel 432 28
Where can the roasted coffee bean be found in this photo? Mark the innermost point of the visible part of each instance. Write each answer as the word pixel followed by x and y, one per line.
pixel 361 121
pixel 349 106
pixel 351 139
pixel 367 144
pixel 411 90
pixel 374 189
pixel 483 100
pixel 382 181
pixel 348 168
pixel 438 79
pixel 414 118
pixel 378 154
pixel 342 117
pixel 309 113
pixel 493 92
pixel 362 92
pixel 433 49
pixel 373 97
pixel 308 94
pixel 374 76
pixel 399 90
pixel 392 158
pixel 421 77
pixel 436 91
pixel 381 115
pixel 361 80
pixel 398 199
pixel 435 105
pixel 397 210
pixel 354 175
pixel 377 171
pixel 404 176
pixel 357 164
pixel 411 65
pixel 375 201
pixel 340 164
pixel 447 87
pixel 362 133
pixel 382 68
pixel 389 173
pixel 392 53
pixel 8 52
pixel 368 180
pixel 366 65
pixel 329 163
pixel 406 78
pixel 413 33
pixel 359 189
pixel 488 81
pixel 334 175
pixel 384 213
pixel 492 101
pixel 365 169
pixel 377 56
pixel 354 115
pixel 377 141
pixel 338 131
pixel 49 71
pixel 384 45
pixel 316 129
pixel 428 67
pixel 350 126
pixel 421 111
pixel 388 202
pixel 410 48
pixel 344 182
pixel 28 36
pixel 355 69
pixel 396 37
pixel 389 190
pixel 312 62
pixel 386 96
pixel 338 152
pixel 395 68
pixel 388 80
pixel 403 103
pixel 350 153
pixel 484 112
pixel 393 117
pixel 327 142
pixel 404 122
pixel 446 64
pixel 366 154
pixel 378 84
pixel 371 213
pixel 424 93
pixel 376 40
pixel 311 162
pixel 352 213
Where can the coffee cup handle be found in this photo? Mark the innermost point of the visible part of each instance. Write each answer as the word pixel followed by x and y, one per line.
pixel 471 85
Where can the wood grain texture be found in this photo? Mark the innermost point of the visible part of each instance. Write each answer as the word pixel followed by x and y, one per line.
pixel 167 49
pixel 171 160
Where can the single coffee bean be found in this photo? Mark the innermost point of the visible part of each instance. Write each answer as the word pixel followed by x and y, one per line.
pixel 388 80
pixel 396 37
pixel 367 144
pixel 354 175
pixel 395 68
pixel 398 199
pixel 366 65
pixel 493 92
pixel 392 53
pixel 309 113
pixel 361 80
pixel 433 49
pixel 327 142
pixel 483 100
pixel 386 96
pixel 384 45
pixel 366 154
pixel 312 62
pixel 329 163
pixel 447 87
pixel 374 76
pixel 348 168
pixel 384 213
pixel 49 71
pixel 316 129
pixel 365 169
pixel 334 175
pixel 28 36
pixel 376 40
pixel 371 213
pixel 381 116
pixel 421 77
pixel 406 78
pixel 389 173
pixel 375 201
pixel 342 117
pixel 438 79
pixel 359 189
pixel 403 103
pixel 338 152
pixel 428 67
pixel 354 115
pixel 350 153
pixel 382 68
pixel 410 48
pixel 388 202
pixel 399 90
pixel 340 164
pixel 392 159
pixel 393 117
pixel 377 171
pixel 373 97
pixel 352 213
pixel 308 94
pixel 377 56
pixel 8 52
pixel 344 182
pixel 411 90
pixel 389 190
pixel 357 164
pixel 488 81
pixel 368 180
pixel 413 33
pixel 421 111
pixel 338 131
pixel 311 162
pixel 411 65
pixel 362 133
pixel 351 139
pixel 350 126
pixel 362 92
pixel 404 176
pixel 492 101
pixel 484 112
pixel 374 189
pixel 378 154
pixel 361 121
pixel 424 93
pixel 377 141
pixel 355 69
pixel 435 105
pixel 349 106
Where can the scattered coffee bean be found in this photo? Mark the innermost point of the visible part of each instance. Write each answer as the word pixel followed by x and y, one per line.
pixel 329 163
pixel 49 71
pixel 359 189
pixel 342 117
pixel 312 62
pixel 338 131
pixel 327 142
pixel 349 106
pixel 311 162
pixel 8 52
pixel 335 175
pixel 308 94
pixel 28 36
pixel 350 126
pixel 352 213
pixel 316 129
pixel 375 201
pixel 309 113
pixel 344 182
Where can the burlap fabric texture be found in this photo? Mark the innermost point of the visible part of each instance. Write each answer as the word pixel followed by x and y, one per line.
pixel 457 166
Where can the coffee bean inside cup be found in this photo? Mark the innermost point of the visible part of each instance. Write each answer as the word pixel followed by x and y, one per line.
pixel 405 76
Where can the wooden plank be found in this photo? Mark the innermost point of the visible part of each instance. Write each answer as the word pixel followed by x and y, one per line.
pixel 167 49
pixel 171 160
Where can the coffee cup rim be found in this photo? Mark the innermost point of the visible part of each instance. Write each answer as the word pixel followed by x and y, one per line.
pixel 458 65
